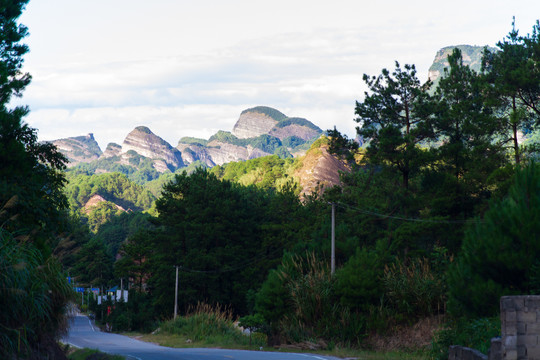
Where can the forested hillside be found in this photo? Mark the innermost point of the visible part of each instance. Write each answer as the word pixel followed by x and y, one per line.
pixel 413 215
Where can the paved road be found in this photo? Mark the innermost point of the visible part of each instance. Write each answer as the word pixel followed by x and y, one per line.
pixel 83 334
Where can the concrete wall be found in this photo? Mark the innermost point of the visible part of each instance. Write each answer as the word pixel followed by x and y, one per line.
pixel 520 327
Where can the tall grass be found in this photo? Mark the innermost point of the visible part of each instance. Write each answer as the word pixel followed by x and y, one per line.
pixel 415 290
pixel 209 325
pixel 33 296
pixel 316 313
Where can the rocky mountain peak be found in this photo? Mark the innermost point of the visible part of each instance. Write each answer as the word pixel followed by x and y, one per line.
pixel 112 149
pixel 79 148
pixel 145 143
pixel 256 121
pixel 472 57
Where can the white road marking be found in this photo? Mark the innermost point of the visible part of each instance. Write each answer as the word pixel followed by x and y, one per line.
pixel 313 356
pixel 92 326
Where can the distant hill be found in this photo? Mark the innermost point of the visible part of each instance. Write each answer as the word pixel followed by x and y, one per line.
pixel 311 173
pixel 143 155
pixel 259 131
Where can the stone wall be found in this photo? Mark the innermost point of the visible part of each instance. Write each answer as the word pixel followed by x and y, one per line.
pixel 520 327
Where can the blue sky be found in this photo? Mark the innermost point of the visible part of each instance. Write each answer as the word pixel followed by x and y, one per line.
pixel 188 68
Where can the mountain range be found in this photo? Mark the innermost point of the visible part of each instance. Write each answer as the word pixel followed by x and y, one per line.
pixel 259 131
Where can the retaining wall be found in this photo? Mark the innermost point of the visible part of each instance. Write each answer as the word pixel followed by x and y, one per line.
pixel 520 329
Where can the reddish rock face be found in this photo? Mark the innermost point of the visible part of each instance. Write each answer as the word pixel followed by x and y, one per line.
pixel 320 170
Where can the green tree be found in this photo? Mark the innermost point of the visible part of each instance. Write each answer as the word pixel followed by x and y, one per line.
pixel 466 126
pixel 394 118
pixel 513 85
pixel 135 254
pixel 94 265
pixel 33 290
pixel 214 230
pixel 500 252
pixel 463 121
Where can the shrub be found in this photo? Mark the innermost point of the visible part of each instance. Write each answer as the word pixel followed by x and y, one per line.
pixel 499 252
pixel 415 290
pixel 475 334
pixel 210 325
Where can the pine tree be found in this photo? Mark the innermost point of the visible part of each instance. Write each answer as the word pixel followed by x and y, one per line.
pixel 512 85
pixel 393 117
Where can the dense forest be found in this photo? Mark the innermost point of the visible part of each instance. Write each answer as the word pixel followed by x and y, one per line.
pixel 438 217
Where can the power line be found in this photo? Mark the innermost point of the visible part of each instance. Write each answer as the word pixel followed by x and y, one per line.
pixel 367 212
pixel 239 267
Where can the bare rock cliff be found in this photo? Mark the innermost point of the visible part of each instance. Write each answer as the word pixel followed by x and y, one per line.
pixel 195 152
pixel 79 149
pixel 320 170
pixel 302 132
pixel 144 142
pixel 112 150
pixel 254 122
pixel 221 152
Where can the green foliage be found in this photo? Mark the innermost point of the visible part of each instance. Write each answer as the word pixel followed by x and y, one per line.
pixel 144 129
pixel 36 293
pixel 499 251
pixel 94 265
pixel 359 283
pixel 298 121
pixel 110 164
pixel 120 227
pixel 473 333
pixel 226 237
pixel 266 143
pixel 133 263
pixel 193 141
pixel 414 290
pixel 393 118
pixel 271 300
pixel 84 354
pixel 114 187
pixel 208 324
pixel 269 172
pixel 273 113
pixel 292 141
pixel 298 300
pixel 225 136
pixel 33 290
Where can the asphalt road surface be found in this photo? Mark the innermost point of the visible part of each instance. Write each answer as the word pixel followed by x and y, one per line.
pixel 84 335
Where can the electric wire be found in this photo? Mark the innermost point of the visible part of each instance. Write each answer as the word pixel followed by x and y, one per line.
pixel 343 206
pixel 239 267
pixel 367 212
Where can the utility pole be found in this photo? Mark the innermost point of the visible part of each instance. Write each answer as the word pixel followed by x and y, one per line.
pixel 176 293
pixel 333 260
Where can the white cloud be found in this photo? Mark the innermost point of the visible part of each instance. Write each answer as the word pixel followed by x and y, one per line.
pixel 188 68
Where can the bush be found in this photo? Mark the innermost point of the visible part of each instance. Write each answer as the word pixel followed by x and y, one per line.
pixel 499 252
pixel 209 325
pixel 475 334
pixel 415 290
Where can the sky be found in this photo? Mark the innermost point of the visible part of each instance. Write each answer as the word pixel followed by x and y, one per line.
pixel 189 68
